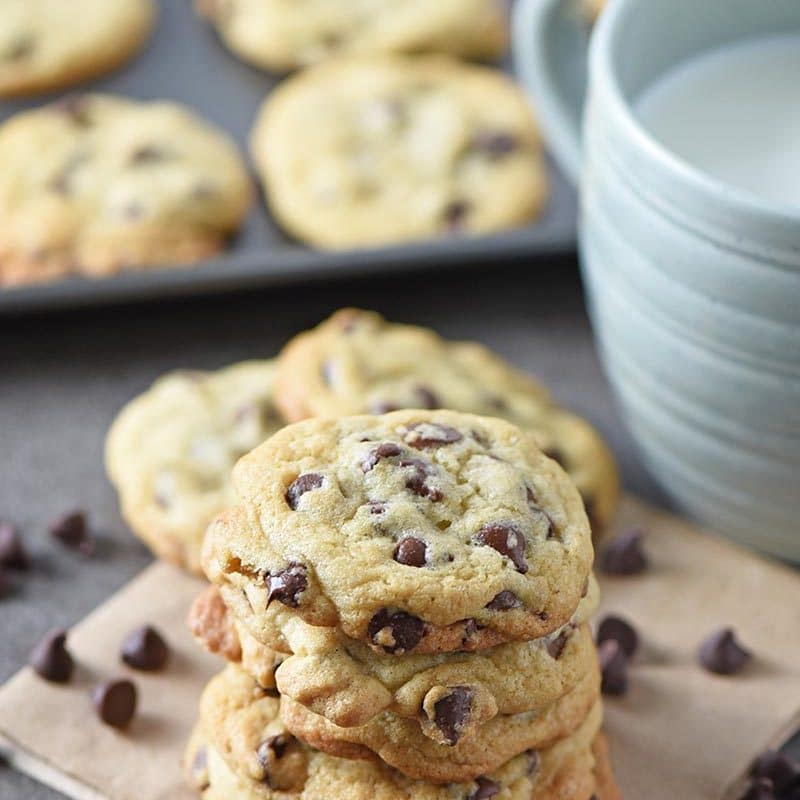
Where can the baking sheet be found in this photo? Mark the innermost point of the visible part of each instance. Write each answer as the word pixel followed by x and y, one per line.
pixel 679 733
pixel 184 61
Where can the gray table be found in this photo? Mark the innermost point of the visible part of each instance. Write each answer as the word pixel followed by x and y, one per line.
pixel 62 379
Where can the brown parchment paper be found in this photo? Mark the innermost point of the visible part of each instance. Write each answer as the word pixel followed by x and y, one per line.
pixel 680 734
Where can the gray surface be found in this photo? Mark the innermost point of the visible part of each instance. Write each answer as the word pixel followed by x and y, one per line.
pixel 63 377
pixel 183 61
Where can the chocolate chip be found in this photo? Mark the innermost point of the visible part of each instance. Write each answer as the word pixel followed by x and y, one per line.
pixel 299 486
pixel 383 450
pixel 115 702
pixel 614 668
pixel 377 507
pixel 199 769
pixel 50 658
pixel 504 601
pixel 624 555
pixel 417 481
pixel 507 539
pixel 148 154
pixel 287 585
pixel 486 788
pixel 73 531
pixel 759 789
pixel 452 712
pixel 470 628
pixel 722 654
pixel 382 407
pixel 76 108
pixel 411 552
pixel 496 144
pixel 621 631
pixel 427 396
pixel 555 647
pixel 778 768
pixel 12 551
pixel 145 649
pixel 396 632
pixel 273 748
pixel 20 49
pixel 534 761
pixel 424 435
pixel 455 214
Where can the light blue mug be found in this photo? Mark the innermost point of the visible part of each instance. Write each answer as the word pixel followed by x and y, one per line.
pixel 693 286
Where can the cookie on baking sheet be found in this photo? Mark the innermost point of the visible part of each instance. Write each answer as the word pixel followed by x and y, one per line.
pixel 170 451
pixel 283 34
pixel 94 184
pixel 415 531
pixel 240 749
pixel 349 684
pixel 50 44
pixel 357 362
pixel 374 151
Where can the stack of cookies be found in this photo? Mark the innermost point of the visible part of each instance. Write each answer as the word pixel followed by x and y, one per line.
pixel 403 599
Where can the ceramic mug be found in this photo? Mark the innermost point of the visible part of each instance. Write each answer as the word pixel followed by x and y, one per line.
pixel 693 286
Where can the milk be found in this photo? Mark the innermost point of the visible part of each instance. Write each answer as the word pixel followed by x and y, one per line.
pixel 734 113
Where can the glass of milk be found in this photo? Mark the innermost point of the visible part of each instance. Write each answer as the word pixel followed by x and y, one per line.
pixel 688 161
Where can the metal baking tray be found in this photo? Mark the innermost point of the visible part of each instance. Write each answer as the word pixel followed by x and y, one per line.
pixel 184 61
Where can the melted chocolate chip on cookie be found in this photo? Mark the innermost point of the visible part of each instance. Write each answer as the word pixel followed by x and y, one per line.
pixel 453 711
pixel 299 486
pixel 507 539
pixel 396 632
pixel 287 585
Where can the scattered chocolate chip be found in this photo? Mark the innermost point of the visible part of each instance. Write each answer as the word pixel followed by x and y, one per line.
pixel 299 486
pixel 287 585
pixel 50 658
pixel 555 647
pixel 272 749
pixel 621 631
pixel 452 712
pixel 115 702
pixel 383 450
pixel 759 789
pixel 423 435
pixel 614 668
pixel 148 154
pixel 496 144
pixel 12 552
pixel 411 552
pixel 507 539
pixel 396 632
pixel 722 654
pixel 486 788
pixel 624 555
pixel 534 761
pixel 427 396
pixel 145 649
pixel 73 531
pixel 454 215
pixel 504 601
pixel 376 507
pixel 778 768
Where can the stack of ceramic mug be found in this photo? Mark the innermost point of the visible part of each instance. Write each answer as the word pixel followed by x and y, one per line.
pixel 404 602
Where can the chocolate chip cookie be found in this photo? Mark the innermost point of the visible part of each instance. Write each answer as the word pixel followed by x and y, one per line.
pixel 357 362
pixel 282 34
pixel 50 44
pixel 240 749
pixel 170 452
pixel 95 184
pixel 373 151
pixel 416 531
pixel 450 695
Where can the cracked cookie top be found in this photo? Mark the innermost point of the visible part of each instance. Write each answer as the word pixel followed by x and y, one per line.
pixel 416 531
